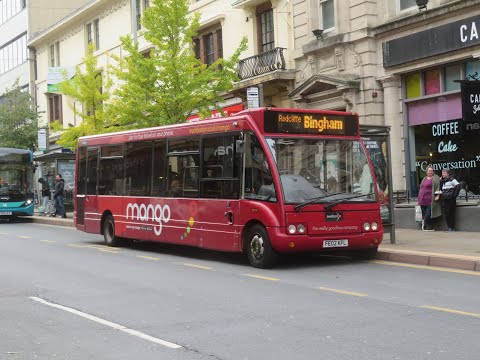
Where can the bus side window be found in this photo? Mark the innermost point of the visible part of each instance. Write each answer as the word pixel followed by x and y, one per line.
pixel 111 170
pixel 138 168
pixel 159 185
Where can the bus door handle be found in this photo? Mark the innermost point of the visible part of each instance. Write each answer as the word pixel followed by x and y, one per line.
pixel 229 216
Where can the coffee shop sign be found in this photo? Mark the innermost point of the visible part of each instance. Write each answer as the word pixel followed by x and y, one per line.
pixel 444 129
pixel 468 33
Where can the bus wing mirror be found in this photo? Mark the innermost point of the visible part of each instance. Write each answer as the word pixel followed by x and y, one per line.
pixel 240 146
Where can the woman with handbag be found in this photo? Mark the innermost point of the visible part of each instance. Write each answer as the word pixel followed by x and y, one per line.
pixel 428 200
pixel 450 190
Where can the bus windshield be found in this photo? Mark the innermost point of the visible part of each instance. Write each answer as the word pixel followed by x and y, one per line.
pixel 15 179
pixel 325 170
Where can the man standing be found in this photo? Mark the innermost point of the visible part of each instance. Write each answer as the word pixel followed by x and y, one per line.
pixel 58 196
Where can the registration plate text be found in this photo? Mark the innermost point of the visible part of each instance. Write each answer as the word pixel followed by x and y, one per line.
pixel 335 243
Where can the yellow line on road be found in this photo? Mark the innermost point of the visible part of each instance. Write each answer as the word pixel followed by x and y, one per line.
pixel 198 266
pixel 262 277
pixel 427 267
pixel 343 292
pixel 48 241
pixel 109 251
pixel 453 311
pixel 3 233
pixel 24 237
pixel 148 258
pixel 77 245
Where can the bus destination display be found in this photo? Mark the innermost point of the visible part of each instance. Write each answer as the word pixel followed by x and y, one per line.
pixel 310 123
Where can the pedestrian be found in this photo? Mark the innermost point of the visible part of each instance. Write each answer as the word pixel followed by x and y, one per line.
pixel 450 189
pixel 45 194
pixel 58 197
pixel 428 201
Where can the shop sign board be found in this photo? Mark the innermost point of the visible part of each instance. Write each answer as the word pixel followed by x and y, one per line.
pixel 470 100
pixel 438 40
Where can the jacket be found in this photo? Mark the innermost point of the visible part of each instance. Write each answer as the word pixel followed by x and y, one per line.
pixel 450 188
pixel 59 188
pixel 436 205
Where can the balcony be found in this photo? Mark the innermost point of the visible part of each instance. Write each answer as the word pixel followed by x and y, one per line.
pixel 262 64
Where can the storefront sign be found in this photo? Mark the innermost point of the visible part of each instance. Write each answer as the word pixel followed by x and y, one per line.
pixel 57 75
pixel 439 40
pixel 470 100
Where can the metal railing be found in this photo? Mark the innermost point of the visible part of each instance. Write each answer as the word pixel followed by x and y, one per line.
pixel 263 63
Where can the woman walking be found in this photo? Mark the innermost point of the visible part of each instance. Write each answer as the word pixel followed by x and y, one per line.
pixel 450 190
pixel 428 201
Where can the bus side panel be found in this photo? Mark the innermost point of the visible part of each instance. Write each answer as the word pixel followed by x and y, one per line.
pixel 92 217
pixel 219 224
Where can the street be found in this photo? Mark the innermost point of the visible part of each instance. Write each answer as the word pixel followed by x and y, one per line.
pixel 64 295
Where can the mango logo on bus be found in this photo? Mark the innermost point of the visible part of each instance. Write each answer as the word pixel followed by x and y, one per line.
pixel 322 124
pixel 159 214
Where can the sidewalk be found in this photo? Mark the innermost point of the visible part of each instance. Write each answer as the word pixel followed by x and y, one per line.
pixel 458 250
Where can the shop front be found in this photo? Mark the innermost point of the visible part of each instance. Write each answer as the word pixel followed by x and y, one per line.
pixel 436 131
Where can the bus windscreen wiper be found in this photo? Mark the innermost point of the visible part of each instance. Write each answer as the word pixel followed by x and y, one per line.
pixel 314 200
pixel 333 203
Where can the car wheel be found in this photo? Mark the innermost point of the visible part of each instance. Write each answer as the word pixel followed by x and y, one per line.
pixel 259 250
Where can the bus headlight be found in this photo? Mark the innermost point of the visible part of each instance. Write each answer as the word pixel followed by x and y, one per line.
pixel 292 229
pixel 374 226
pixel 301 229
pixel 366 226
pixel 29 202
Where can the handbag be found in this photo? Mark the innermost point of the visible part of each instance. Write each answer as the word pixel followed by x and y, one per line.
pixel 418 213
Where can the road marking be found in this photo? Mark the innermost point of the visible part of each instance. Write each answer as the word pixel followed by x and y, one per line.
pixel 108 323
pixel 148 258
pixel 344 292
pixel 109 251
pixel 427 267
pixel 102 248
pixel 48 241
pixel 24 237
pixel 262 277
pixel 453 311
pixel 198 266
pixel 3 233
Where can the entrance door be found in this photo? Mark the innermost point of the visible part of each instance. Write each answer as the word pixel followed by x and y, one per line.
pixel 92 223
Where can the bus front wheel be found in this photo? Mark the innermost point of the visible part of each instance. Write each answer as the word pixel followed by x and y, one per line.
pixel 109 232
pixel 259 251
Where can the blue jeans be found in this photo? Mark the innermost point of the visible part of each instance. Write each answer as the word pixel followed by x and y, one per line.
pixel 45 203
pixel 59 206
pixel 427 216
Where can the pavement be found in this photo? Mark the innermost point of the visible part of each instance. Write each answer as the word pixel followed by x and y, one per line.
pixel 457 250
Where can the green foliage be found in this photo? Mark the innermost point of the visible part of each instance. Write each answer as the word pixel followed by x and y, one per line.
pixel 18 119
pixel 170 83
pixel 89 89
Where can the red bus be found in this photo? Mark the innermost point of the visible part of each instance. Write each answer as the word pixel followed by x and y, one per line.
pixel 264 182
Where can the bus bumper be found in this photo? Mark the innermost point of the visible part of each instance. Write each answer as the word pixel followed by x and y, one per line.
pixel 9 212
pixel 284 243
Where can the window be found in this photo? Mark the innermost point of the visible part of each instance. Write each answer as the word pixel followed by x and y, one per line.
pixel 10 8
pixel 208 47
pixel 220 168
pixel 93 34
pixel 326 15
pixel 91 171
pixel 110 170
pixel 406 4
pixel 412 83
pixel 452 75
pixel 82 170
pixel 55 112
pixel 13 53
pixel 432 81
pixel 55 54
pixel 267 37
pixel 159 184
pixel 138 169
pixel 138 13
pixel 183 175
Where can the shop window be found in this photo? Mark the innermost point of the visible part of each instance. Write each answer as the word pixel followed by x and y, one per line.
pixel 452 75
pixel 412 84
pixel 472 70
pixel 432 81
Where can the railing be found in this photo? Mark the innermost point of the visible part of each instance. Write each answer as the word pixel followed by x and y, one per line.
pixel 262 63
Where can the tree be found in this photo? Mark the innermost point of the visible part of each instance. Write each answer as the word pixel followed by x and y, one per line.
pixel 18 119
pixel 89 89
pixel 170 83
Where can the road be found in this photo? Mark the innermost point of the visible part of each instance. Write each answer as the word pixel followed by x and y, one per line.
pixel 63 295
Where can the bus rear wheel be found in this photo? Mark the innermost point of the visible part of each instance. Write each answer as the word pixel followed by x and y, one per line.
pixel 109 232
pixel 259 250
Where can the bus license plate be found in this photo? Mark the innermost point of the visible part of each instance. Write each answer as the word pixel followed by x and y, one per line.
pixel 335 243
pixel 5 213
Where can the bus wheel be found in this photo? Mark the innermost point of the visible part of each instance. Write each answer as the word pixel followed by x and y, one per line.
pixel 109 232
pixel 259 251
pixel 365 254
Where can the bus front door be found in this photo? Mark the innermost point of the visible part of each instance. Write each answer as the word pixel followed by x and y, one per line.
pixel 92 219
